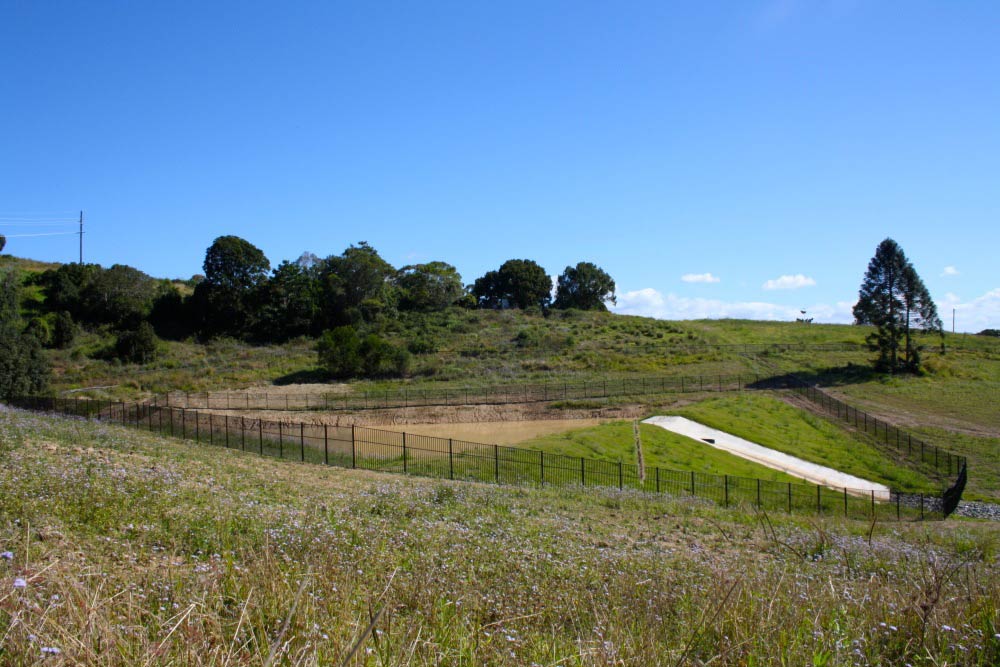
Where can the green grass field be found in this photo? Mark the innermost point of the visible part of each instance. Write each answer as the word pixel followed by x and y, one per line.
pixel 121 548
pixel 661 448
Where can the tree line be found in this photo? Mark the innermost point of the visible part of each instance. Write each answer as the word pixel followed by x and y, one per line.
pixel 343 300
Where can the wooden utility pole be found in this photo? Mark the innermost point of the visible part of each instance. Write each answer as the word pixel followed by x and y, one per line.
pixel 81 237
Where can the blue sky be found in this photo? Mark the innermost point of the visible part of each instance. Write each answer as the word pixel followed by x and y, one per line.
pixel 717 159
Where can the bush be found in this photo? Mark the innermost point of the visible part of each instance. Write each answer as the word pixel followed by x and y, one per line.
pixel 339 352
pixel 422 345
pixel 137 345
pixel 64 330
pixel 40 329
pixel 344 355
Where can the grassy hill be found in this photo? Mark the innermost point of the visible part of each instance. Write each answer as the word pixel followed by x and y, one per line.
pixel 121 548
pixel 953 405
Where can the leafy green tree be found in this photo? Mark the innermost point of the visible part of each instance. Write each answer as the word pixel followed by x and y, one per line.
pixel 235 264
pixel 431 286
pixel 895 300
pixel 121 296
pixel 585 287
pixel 518 283
pixel 24 369
pixel 170 316
pixel 356 287
pixel 487 291
pixel 65 286
pixel 287 303
pixel 3 242
pixel 223 303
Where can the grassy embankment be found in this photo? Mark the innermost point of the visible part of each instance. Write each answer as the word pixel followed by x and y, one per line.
pixel 756 417
pixel 130 549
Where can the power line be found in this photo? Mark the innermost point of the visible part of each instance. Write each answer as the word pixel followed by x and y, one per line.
pixel 24 236
pixel 36 224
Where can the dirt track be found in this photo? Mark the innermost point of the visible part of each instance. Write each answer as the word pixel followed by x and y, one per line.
pixel 468 414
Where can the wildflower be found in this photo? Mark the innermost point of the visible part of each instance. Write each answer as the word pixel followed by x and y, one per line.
pixel 51 650
pixel 20 582
pixel 7 555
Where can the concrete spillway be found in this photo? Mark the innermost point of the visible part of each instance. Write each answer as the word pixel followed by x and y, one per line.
pixel 771 458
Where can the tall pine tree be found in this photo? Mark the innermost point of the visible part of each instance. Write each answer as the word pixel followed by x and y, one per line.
pixel 895 300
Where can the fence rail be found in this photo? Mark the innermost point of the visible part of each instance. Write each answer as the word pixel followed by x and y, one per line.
pixel 391 451
pixel 944 463
pixel 408 397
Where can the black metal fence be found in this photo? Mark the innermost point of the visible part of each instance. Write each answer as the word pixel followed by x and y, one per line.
pixel 942 462
pixel 404 397
pixel 391 451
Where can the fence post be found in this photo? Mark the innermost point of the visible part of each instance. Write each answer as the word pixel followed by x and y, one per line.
pixel 211 428
pixel 873 504
pixel 657 469
pixel 496 462
pixel 819 501
pixel 404 452
pixel 621 480
pixel 171 422
pixel 197 424
pixel 243 434
pixel 758 492
pixel 451 460
pixel 725 484
pixel 692 482
pixel 226 424
pixel 281 442
pixel 354 449
pixel 326 445
pixel 260 434
pixel 541 465
pixel 302 441
pixel 583 475
pixel 845 500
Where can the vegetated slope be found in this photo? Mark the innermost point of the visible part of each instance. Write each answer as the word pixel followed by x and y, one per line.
pixel 757 417
pixel 121 548
pixel 661 448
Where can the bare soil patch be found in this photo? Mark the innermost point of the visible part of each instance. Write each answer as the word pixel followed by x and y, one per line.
pixel 502 433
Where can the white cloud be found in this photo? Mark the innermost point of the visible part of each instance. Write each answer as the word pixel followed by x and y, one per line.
pixel 981 313
pixel 699 278
pixel 949 271
pixel 649 302
pixel 790 282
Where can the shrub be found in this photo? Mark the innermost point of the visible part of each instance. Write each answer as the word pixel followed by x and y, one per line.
pixel 137 345
pixel 64 330
pixel 344 354
pixel 339 352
